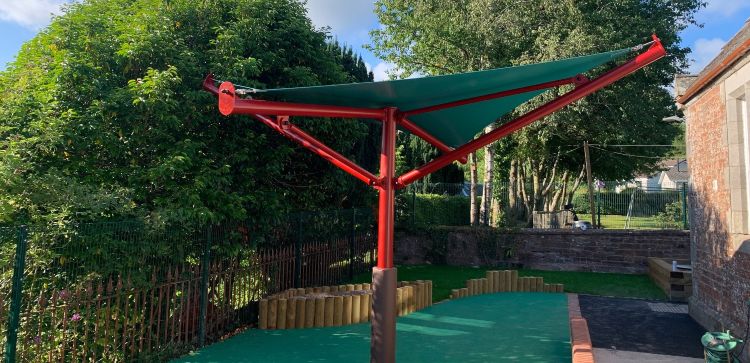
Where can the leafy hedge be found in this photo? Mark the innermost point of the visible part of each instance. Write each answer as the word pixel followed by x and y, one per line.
pixel 432 209
pixel 117 126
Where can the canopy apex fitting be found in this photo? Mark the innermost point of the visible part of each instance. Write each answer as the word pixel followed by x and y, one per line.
pixel 654 38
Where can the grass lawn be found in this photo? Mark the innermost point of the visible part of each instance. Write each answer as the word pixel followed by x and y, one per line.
pixel 614 221
pixel 446 278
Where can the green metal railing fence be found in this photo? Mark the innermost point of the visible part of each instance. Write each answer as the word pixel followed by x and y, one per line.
pixel 639 208
pixel 619 205
pixel 133 292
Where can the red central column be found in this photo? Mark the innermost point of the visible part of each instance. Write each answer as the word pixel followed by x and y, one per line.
pixel 383 338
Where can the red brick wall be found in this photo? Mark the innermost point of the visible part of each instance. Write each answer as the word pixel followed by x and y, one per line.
pixel 721 264
pixel 595 250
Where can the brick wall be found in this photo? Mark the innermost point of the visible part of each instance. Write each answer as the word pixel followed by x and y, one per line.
pixel 594 250
pixel 720 249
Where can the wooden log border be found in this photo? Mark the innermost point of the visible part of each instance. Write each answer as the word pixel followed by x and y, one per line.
pixel 297 308
pixel 505 281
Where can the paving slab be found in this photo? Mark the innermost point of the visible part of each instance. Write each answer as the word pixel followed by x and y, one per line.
pixel 622 356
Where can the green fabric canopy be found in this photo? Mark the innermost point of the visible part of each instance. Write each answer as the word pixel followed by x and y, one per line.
pixel 453 126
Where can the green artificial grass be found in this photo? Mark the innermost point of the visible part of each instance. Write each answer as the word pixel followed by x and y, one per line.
pixel 446 278
pixel 604 284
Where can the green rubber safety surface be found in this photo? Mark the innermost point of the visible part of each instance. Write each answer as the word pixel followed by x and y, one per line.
pixel 526 327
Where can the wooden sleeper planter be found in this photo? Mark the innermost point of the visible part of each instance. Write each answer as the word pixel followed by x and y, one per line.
pixel 504 281
pixel 677 285
pixel 335 305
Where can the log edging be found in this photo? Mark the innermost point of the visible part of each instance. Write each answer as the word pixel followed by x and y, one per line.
pixel 337 305
pixel 505 281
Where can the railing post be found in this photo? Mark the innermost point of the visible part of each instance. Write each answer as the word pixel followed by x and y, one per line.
pixel 16 295
pixel 352 238
pixel 598 208
pixel 205 269
pixel 684 206
pixel 413 206
pixel 298 253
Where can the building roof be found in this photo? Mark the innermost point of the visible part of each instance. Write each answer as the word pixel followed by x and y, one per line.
pixel 678 172
pixel 675 169
pixel 734 50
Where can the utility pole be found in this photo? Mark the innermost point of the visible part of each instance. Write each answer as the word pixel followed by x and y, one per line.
pixel 590 182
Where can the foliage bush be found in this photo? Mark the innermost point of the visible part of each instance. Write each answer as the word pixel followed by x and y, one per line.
pixel 432 209
pixel 102 115
pixel 103 118
pixel 672 216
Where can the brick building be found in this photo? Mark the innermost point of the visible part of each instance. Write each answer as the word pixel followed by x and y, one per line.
pixel 715 103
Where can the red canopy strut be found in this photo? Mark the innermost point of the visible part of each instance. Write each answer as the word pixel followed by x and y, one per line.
pixel 384 275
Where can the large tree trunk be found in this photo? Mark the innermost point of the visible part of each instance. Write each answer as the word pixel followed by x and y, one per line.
pixel 489 162
pixel 547 183
pixel 474 212
pixel 536 185
pixel 512 207
pixel 576 184
pixel 554 202
pixel 496 214
pixel 525 197
pixel 548 191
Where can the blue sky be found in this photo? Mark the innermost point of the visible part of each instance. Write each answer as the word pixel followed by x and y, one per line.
pixel 351 20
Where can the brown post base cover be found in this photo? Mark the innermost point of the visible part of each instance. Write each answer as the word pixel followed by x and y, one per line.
pixel 383 337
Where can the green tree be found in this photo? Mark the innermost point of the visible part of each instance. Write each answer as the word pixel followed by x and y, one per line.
pixel 439 37
pixel 102 117
pixel 102 114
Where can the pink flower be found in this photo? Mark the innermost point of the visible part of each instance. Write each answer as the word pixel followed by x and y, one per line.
pixel 63 294
pixel 75 317
pixel 37 340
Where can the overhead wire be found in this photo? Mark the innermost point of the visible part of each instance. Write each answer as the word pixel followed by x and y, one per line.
pixel 636 145
pixel 630 155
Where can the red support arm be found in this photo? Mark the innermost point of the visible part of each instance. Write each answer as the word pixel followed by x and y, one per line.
pixel 655 52
pixel 249 107
pixel 226 94
pixel 426 136
pixel 305 140
pixel 416 130
pixel 536 87
pixel 229 104
pixel 209 85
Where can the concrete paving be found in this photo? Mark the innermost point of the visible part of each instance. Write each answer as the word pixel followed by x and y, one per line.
pixel 622 356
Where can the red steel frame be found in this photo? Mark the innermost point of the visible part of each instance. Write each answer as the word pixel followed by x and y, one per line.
pixel 384 275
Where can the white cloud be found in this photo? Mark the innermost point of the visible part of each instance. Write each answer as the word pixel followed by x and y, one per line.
pixel 380 72
pixel 704 50
pixel 32 14
pixel 727 7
